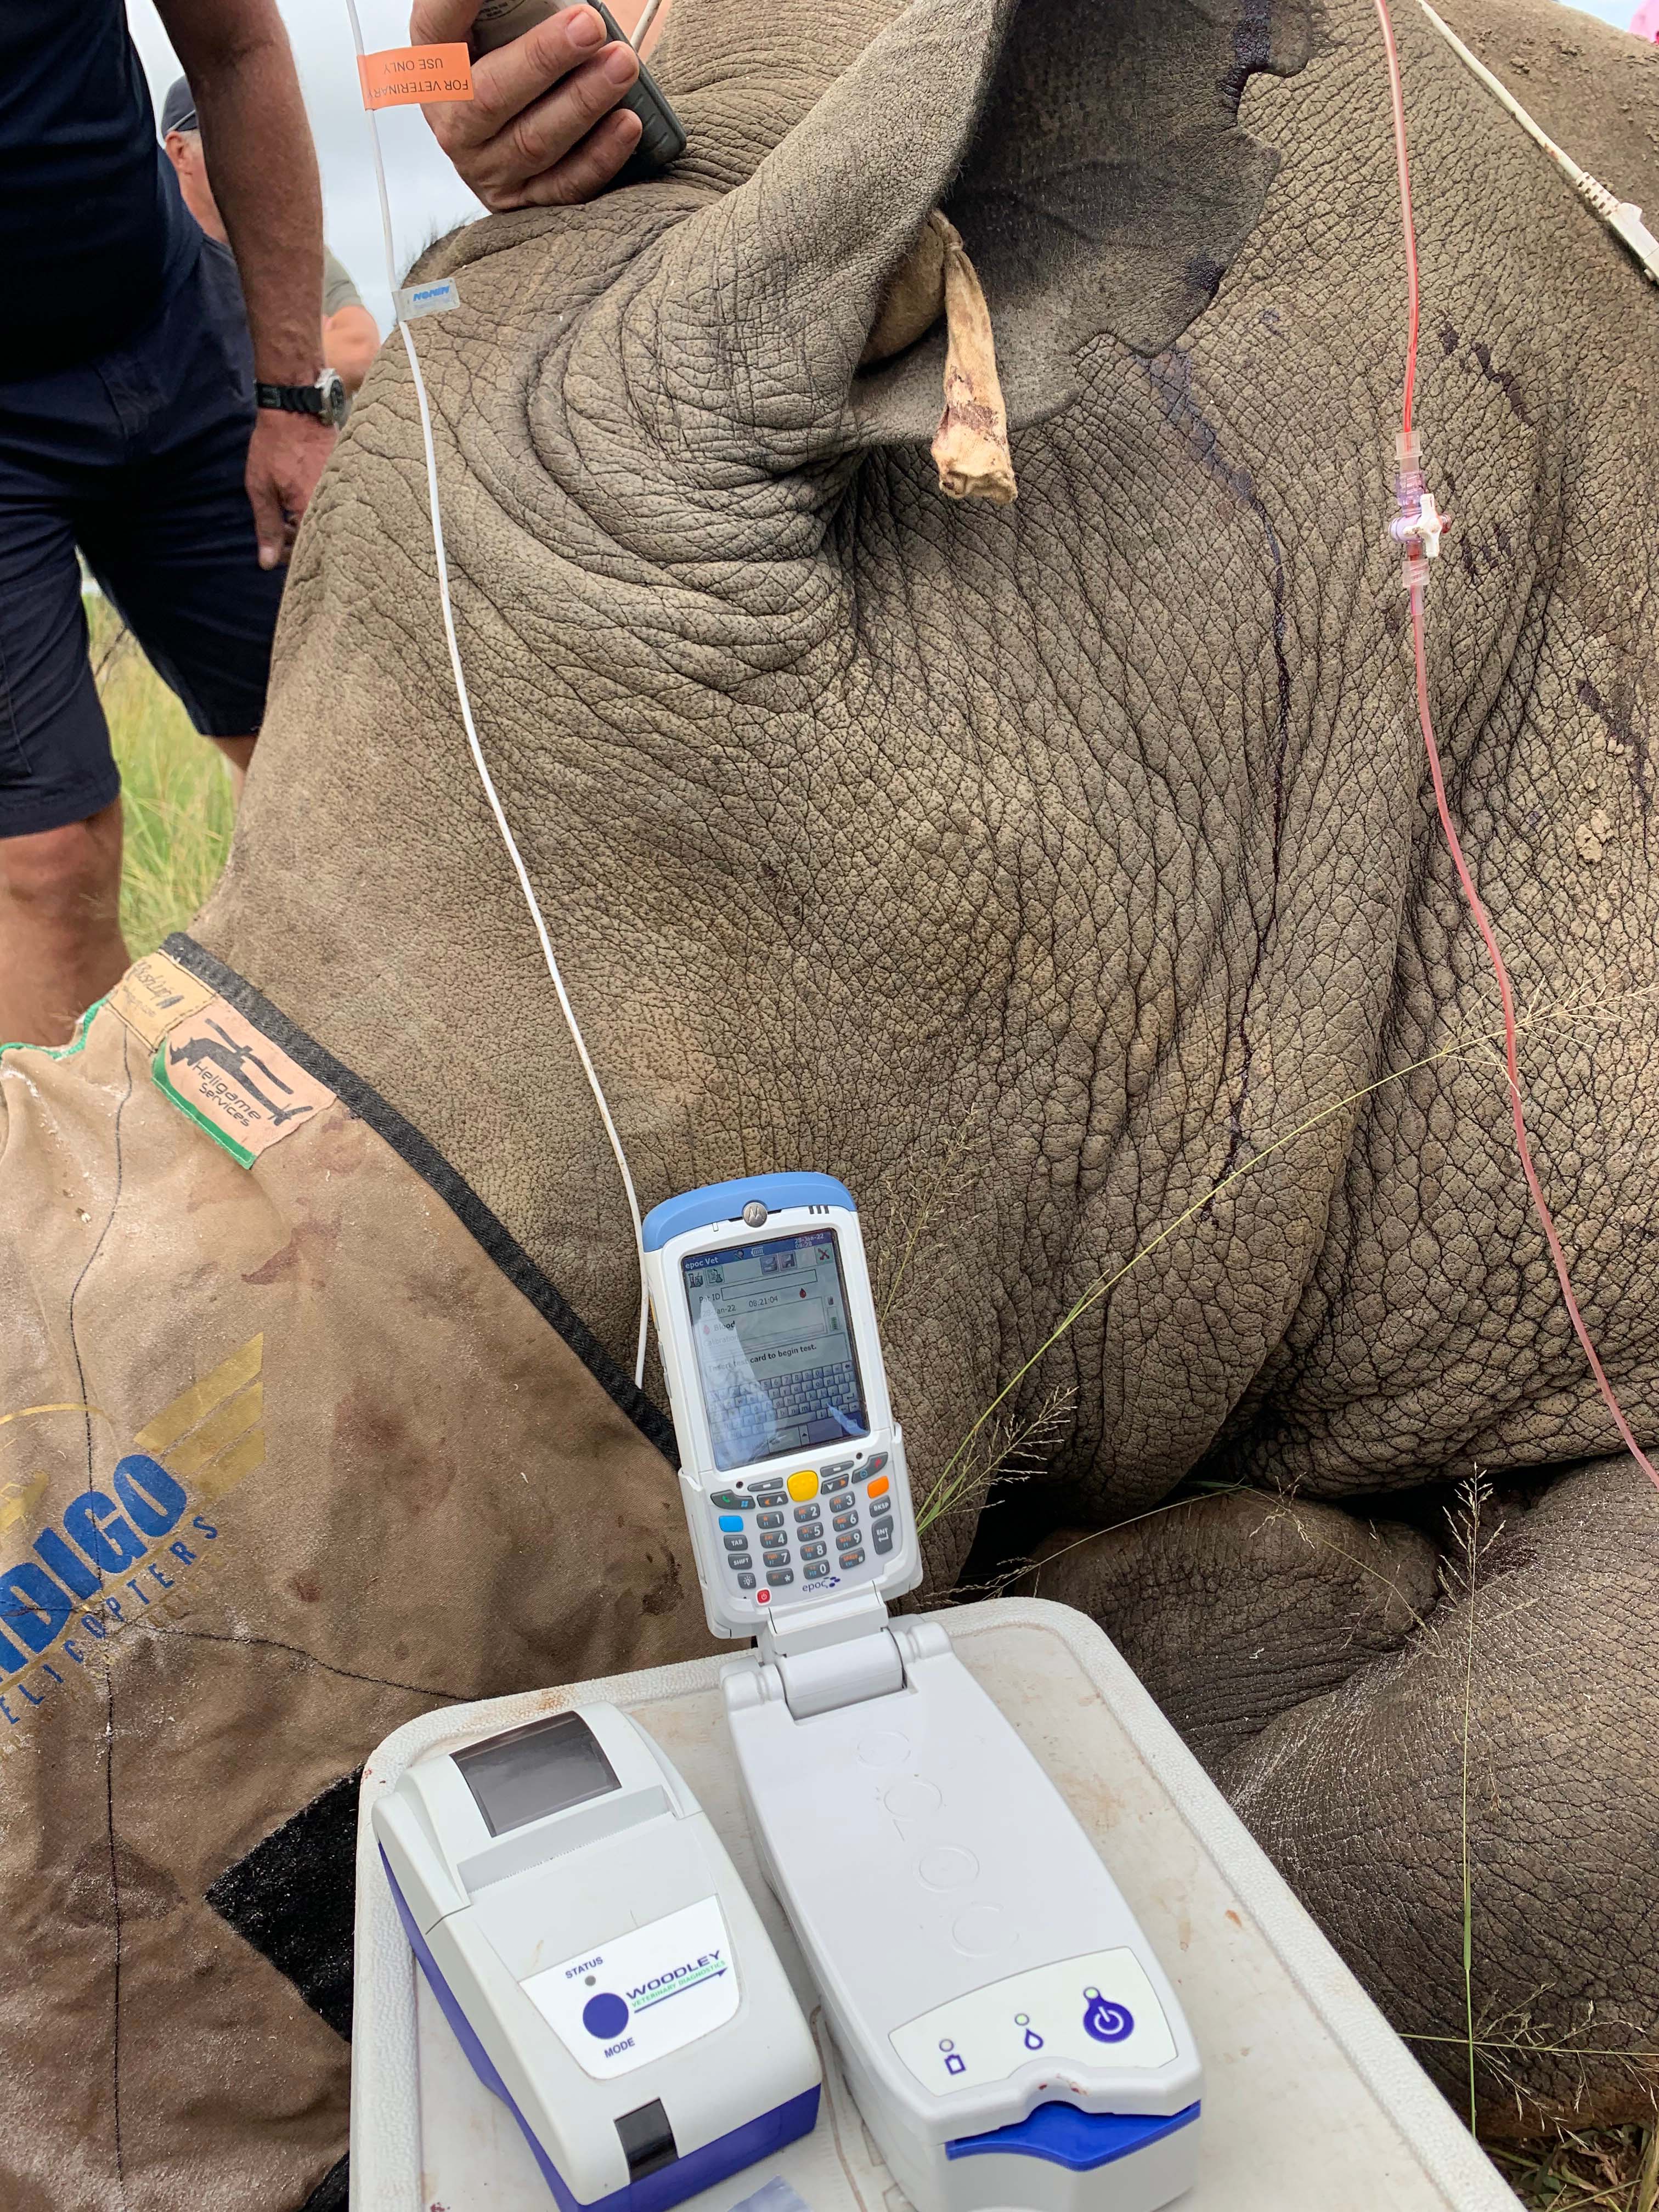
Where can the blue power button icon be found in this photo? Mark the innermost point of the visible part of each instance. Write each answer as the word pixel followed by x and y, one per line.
pixel 605 2016
pixel 1107 2021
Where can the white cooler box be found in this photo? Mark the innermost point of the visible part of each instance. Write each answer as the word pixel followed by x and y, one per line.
pixel 1311 2103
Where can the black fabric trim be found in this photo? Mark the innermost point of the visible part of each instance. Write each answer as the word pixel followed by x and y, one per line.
pixel 333 2192
pixel 293 1897
pixel 434 1170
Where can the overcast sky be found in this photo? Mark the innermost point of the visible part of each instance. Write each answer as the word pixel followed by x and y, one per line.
pixel 427 196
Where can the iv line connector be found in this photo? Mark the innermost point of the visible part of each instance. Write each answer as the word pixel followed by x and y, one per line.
pixel 1417 526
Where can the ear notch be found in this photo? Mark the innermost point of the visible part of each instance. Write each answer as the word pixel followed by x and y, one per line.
pixel 1107 186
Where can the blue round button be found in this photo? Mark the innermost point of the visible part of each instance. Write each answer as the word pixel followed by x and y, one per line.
pixel 1105 2020
pixel 605 2016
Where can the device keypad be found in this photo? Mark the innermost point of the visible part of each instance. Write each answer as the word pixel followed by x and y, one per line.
pixel 792 1506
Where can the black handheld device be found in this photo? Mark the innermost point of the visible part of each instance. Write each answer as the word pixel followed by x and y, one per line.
pixel 662 136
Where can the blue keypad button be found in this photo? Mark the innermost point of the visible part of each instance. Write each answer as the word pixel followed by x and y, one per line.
pixel 815 1573
pixel 777 1581
pixel 733 1521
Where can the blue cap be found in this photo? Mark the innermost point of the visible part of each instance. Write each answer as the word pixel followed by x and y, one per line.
pixel 725 1201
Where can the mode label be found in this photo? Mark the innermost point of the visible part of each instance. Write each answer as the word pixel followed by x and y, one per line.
pixel 619 2005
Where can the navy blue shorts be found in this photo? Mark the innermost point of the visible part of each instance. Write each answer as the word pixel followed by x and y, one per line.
pixel 138 459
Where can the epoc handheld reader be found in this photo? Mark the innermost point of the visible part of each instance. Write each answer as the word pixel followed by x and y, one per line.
pixel 590 1943
pixel 1010 2038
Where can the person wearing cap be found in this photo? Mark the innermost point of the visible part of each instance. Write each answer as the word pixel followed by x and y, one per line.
pixel 128 428
pixel 350 337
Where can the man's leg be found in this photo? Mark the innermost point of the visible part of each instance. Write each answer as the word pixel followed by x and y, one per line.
pixel 60 939
pixel 176 552
pixel 238 752
pixel 60 814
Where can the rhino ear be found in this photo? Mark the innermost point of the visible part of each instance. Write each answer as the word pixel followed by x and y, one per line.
pixel 782 279
pixel 1106 186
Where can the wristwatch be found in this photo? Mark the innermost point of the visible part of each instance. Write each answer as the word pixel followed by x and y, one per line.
pixel 326 399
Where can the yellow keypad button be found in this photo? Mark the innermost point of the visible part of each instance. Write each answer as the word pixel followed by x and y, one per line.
pixel 803 1486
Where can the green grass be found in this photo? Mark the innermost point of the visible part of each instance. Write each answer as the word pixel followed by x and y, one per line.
pixel 178 808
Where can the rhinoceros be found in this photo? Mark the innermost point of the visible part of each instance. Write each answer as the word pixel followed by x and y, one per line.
pixel 1060 874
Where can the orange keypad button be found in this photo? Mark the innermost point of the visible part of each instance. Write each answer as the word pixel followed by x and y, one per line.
pixel 877 1488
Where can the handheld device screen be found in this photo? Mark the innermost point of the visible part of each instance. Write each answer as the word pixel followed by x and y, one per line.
pixel 774 1349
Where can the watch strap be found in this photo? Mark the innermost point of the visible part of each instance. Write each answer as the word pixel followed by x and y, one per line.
pixel 294 398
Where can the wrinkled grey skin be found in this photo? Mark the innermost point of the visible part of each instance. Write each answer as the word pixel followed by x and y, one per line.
pixel 1035 870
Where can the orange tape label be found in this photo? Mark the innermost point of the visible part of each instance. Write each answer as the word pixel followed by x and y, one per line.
pixel 414 76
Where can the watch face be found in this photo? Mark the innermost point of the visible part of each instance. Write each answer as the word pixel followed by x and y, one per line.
pixel 337 404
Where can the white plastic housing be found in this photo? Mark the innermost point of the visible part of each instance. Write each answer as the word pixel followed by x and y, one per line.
pixel 951 1909
pixel 731 1611
pixel 619 1889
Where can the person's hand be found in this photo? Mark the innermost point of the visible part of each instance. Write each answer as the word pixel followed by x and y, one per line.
pixel 285 457
pixel 540 130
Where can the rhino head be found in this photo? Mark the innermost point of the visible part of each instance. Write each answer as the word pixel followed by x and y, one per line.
pixel 747 685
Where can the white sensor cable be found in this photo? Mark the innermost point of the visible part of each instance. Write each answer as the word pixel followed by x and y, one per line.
pixel 1622 218
pixel 644 24
pixel 479 761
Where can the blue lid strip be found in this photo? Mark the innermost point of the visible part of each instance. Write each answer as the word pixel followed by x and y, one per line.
pixel 1077 2141
pixel 725 1201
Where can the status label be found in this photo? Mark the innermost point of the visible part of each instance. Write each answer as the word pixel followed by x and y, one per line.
pixel 415 77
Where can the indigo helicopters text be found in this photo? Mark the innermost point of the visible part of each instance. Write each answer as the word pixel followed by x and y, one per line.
pixel 111 1560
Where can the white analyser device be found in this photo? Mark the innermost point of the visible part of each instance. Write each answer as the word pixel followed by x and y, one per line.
pixel 1011 2041
pixel 590 1943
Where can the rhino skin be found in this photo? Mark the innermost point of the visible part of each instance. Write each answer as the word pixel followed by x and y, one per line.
pixel 1035 869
